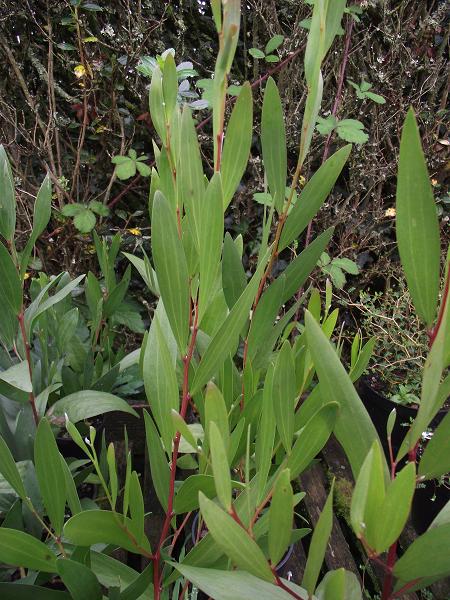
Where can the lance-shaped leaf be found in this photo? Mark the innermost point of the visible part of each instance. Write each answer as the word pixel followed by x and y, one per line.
pixel 236 147
pixel 87 404
pixel 23 550
pixel 79 580
pixel 318 546
pixel 417 223
pixel 273 141
pixel 283 395
pixel 9 470
pixel 50 474
pixel 211 236
pixel 160 382
pixel 234 541
pixel 234 279
pixel 435 460
pixel 156 103
pixel 41 217
pixel 313 196
pixel 216 410
pixel 158 464
pixel 226 338
pixel 220 466
pixel 339 585
pixel 427 556
pixel 169 86
pixel 368 496
pixel 354 428
pixel 8 198
pixel 395 508
pixel 266 435
pixel 171 269
pixel 190 179
pixel 11 288
pixel 281 513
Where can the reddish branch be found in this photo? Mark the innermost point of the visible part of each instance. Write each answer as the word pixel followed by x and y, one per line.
pixel 388 578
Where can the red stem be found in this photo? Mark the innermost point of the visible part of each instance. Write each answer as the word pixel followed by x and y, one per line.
pixel 436 328
pixel 23 332
pixel 388 578
pixel 284 587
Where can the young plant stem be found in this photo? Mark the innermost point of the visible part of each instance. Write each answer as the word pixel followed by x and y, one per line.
pixel 26 344
pixel 388 578
pixel 157 572
pixel 435 330
pixel 284 587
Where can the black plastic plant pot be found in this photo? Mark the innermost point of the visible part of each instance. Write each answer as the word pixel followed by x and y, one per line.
pixel 429 499
pixel 195 538
pixel 379 408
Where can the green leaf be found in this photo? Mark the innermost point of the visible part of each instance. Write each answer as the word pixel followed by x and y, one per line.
pixel 281 514
pixel 87 404
pixel 266 435
pixel 312 438
pixel 23 591
pixel 99 208
pixel 354 428
pixel 18 376
pixel 50 475
pixel 346 265
pixel 85 221
pixel 284 394
pixel 230 585
pixel 23 550
pixel 272 58
pixel 352 131
pixel 8 198
pixel 137 511
pixel 234 541
pixel 156 103
pixel 171 268
pixel 227 336
pixel 274 43
pixel 339 585
pixel 256 53
pixel 417 223
pixel 92 527
pixel 313 196
pixel 264 316
pixel 435 460
pixel 9 470
pixel 273 141
pixel 368 496
pixel 158 464
pixel 318 545
pixel 79 580
pixel 11 287
pixel 220 466
pixel 71 210
pixel 216 410
pixel 169 86
pixel 236 146
pixel 143 169
pixel 427 556
pixel 211 236
pixel 186 498
pixel 161 386
pixel 395 508
pixel 363 360
pixel 234 279
pixel 326 126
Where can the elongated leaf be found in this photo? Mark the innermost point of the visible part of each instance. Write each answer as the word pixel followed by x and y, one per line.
pixel 335 11
pixel 102 527
pixel 211 235
pixel 140 588
pixel 427 556
pixel 354 428
pixel 161 386
pixel 227 336
pixel 8 198
pixel 395 508
pixel 171 268
pixel 137 511
pixel 23 591
pixel 158 464
pixel 50 475
pixel 263 317
pixel 230 585
pixel 10 471
pixel 156 103
pixel 145 270
pixel 313 196
pixel 18 376
pixel 234 540
pixel 318 545
pixel 41 217
pixel 234 279
pixel 23 550
pixel 216 410
pixel 87 404
pixel 281 514
pixel 339 585
pixel 220 466
pixel 435 460
pixel 283 395
pixel 266 435
pixel 417 223
pixel 273 141
pixel 79 580
pixel 11 288
pixel 236 147
pixel 312 438
pixel 186 498
pixel 170 86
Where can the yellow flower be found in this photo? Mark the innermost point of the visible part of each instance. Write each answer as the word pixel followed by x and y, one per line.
pixel 26 276
pixel 135 231
pixel 434 182
pixel 390 212
pixel 79 71
pixel 301 181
